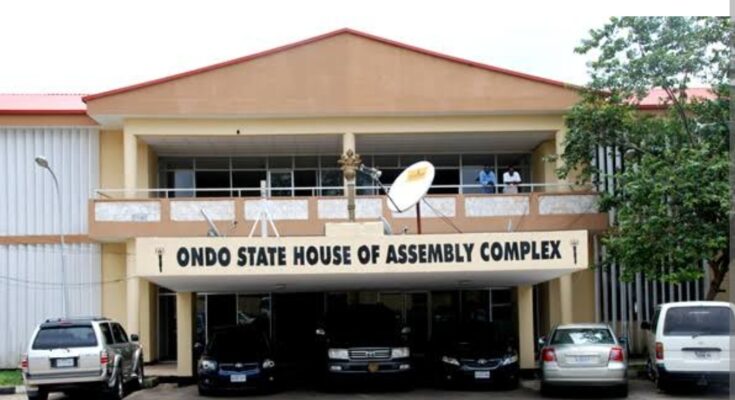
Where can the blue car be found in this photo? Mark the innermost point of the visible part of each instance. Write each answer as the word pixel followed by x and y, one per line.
pixel 237 358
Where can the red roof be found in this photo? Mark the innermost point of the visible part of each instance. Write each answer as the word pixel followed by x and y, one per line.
pixel 42 104
pixel 658 99
pixel 322 37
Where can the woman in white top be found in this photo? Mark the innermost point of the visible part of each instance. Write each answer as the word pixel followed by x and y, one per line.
pixel 511 179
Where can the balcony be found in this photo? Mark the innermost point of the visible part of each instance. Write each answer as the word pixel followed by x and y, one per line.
pixel 122 214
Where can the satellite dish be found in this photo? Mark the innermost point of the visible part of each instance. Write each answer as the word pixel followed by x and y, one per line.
pixel 411 186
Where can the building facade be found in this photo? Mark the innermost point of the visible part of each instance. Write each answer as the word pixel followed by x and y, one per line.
pixel 253 144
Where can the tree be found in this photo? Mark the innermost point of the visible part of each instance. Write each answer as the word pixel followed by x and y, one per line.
pixel 672 197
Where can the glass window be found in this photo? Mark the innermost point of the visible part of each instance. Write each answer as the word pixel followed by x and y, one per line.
pixel 699 321
pixel 583 336
pixel 478 160
pixel 305 179
pixel 331 179
pixel 213 180
pixel 470 175
pixel 107 333
pixel 213 163
pixel 444 308
pixel 280 162
pixel 445 177
pixel 119 333
pixel 329 161
pixel 306 162
pixel 249 163
pixel 475 306
pixel 407 160
pixel 248 180
pixel 182 181
pixel 177 163
pixel 385 161
pixel 221 311
pixel 71 336
pixel 444 160
pixel 281 179
pixel 501 296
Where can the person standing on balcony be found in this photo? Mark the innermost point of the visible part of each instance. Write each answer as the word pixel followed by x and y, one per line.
pixel 487 179
pixel 511 179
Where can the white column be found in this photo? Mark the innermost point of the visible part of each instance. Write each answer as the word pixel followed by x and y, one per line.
pixel 526 342
pixel 185 308
pixel 133 291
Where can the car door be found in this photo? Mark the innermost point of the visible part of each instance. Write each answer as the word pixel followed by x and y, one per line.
pixel 123 348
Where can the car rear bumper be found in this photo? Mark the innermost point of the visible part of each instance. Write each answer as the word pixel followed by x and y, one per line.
pixel 66 378
pixel 589 376
pixel 693 377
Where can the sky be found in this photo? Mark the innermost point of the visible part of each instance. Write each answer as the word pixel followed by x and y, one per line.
pixel 80 46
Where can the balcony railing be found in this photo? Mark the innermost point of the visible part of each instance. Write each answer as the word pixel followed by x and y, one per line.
pixel 321 191
pixel 154 212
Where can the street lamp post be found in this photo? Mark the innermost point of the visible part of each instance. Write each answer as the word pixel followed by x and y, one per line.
pixel 43 163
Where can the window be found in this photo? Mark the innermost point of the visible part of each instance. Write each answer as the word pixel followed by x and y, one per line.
pixel 582 336
pixel 73 336
pixel 697 321
pixel 119 333
pixel 107 333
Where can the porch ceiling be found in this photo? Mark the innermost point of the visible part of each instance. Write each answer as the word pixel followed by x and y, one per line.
pixel 403 143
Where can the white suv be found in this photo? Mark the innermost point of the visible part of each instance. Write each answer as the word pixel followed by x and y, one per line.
pixel 79 354
pixel 689 342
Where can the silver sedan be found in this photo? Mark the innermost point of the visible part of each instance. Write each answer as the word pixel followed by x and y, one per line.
pixel 584 355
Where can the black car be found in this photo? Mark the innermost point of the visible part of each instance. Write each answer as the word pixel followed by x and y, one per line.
pixel 477 353
pixel 364 342
pixel 236 358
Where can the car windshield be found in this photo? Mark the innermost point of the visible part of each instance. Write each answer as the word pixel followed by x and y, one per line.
pixel 695 321
pixel 363 324
pixel 236 344
pixel 64 337
pixel 582 336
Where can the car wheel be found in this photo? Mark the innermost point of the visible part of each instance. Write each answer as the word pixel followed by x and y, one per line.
pixel 40 394
pixel 117 391
pixel 622 391
pixel 204 391
pixel 546 390
pixel 139 376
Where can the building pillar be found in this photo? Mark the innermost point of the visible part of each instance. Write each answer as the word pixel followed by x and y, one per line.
pixel 185 309
pixel 133 291
pixel 526 340
pixel 348 143
pixel 130 164
pixel 565 299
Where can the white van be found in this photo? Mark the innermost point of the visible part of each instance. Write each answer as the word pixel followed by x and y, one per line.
pixel 689 342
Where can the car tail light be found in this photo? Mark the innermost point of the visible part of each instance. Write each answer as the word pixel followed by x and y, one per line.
pixel 616 354
pixel 659 351
pixel 104 358
pixel 24 362
pixel 548 355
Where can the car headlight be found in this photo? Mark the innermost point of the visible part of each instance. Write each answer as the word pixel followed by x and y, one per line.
pixel 208 365
pixel 338 354
pixel 268 363
pixel 511 359
pixel 450 360
pixel 400 352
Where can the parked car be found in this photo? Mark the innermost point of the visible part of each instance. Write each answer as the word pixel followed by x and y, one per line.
pixel 584 355
pixel 364 341
pixel 237 358
pixel 689 342
pixel 81 354
pixel 477 353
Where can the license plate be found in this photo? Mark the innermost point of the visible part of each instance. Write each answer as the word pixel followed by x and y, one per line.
pixel 705 355
pixel 482 374
pixel 373 367
pixel 238 378
pixel 584 359
pixel 64 362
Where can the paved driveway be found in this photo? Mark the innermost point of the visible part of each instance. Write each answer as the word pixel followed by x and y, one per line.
pixel 639 390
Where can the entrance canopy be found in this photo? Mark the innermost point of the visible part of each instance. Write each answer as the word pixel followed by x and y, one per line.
pixel 297 264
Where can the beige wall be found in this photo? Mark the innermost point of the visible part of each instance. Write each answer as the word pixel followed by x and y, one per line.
pixel 543 171
pixel 114 288
pixel 111 160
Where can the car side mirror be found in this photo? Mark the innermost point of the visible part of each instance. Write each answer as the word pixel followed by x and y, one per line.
pixel 646 326
pixel 134 338
pixel 405 330
pixel 320 332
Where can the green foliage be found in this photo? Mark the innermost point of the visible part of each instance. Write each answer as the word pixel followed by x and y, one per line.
pixel 672 200
pixel 10 377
